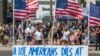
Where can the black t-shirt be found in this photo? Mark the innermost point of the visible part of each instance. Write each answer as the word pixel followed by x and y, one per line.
pixel 59 32
pixel 98 35
pixel 45 33
pixel 6 31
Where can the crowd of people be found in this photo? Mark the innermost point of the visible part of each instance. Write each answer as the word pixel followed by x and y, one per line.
pixel 40 34
pixel 70 35
pixel 32 33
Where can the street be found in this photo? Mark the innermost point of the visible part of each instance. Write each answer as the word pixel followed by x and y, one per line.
pixel 94 53
pixel 5 53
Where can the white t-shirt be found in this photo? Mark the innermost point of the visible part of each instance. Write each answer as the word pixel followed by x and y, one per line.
pixel 66 35
pixel 28 31
pixel 38 35
pixel 32 28
pixel 20 29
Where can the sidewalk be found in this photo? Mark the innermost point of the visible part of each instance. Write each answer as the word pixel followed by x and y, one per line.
pixel 92 50
pixel 5 48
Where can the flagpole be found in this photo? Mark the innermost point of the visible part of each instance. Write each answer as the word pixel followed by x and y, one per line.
pixel 13 22
pixel 88 23
pixel 51 17
pixel 22 32
pixel 88 29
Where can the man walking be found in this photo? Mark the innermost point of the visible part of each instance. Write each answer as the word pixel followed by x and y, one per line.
pixel 97 38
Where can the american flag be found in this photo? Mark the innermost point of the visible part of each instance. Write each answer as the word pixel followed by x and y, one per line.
pixel 69 8
pixel 25 9
pixel 94 19
pixel 32 7
pixel 20 11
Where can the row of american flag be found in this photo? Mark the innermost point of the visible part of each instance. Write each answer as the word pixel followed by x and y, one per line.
pixel 27 8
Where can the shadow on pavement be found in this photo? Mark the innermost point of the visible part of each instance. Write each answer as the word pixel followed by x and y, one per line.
pixel 5 53
pixel 94 54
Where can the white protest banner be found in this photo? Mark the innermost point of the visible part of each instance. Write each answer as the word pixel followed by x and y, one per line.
pixel 48 50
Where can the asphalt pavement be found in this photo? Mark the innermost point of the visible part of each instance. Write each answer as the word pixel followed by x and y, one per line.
pixel 6 53
pixel 94 53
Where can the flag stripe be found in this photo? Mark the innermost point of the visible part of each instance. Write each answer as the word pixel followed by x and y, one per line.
pixel 94 21
pixel 74 4
pixel 36 3
pixel 18 14
pixel 97 20
pixel 32 2
pixel 72 8
pixel 69 12
pixel 73 11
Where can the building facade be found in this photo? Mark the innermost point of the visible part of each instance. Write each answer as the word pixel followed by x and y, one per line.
pixel 44 8
pixel 1 11
pixel 86 3
pixel 98 2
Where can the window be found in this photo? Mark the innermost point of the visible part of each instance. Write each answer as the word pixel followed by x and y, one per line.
pixel 82 1
pixel 98 3
pixel 84 4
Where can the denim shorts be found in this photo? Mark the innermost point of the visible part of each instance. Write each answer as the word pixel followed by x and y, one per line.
pixel 29 38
